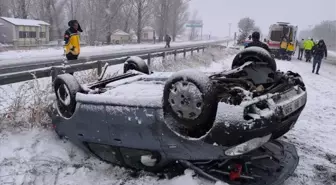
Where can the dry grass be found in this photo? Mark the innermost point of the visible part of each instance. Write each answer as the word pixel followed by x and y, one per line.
pixel 26 105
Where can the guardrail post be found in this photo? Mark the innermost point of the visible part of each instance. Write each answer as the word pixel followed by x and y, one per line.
pixel 54 72
pixel 192 51
pixel 203 48
pixel 164 55
pixel 149 60
pixel 99 67
pixel 175 54
pixel 184 53
pixel 197 49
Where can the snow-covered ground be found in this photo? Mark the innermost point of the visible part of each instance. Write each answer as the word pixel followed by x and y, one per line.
pixel 37 156
pixel 331 57
pixel 57 53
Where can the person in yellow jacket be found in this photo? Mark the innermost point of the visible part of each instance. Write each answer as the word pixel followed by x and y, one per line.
pixel 283 47
pixel 287 48
pixel 72 41
pixel 308 46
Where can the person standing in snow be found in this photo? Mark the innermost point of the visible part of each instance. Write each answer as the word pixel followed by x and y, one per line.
pixel 256 42
pixel 319 51
pixel 301 49
pixel 167 39
pixel 308 46
pixel 71 40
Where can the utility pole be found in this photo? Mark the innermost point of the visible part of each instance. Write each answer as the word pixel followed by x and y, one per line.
pixel 230 30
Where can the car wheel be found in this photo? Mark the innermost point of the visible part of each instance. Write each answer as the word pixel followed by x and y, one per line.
pixel 66 86
pixel 190 103
pixel 136 63
pixel 254 54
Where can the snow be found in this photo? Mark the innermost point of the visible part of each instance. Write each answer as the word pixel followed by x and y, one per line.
pixel 86 51
pixel 147 160
pixel 120 33
pixel 139 93
pixel 24 22
pixel 38 156
pixel 332 53
pixel 148 28
pixel 331 58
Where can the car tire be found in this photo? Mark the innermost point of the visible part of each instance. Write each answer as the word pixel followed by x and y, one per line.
pixel 136 63
pixel 255 54
pixel 190 103
pixel 65 87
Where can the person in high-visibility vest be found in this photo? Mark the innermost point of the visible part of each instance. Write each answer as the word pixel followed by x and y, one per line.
pixel 301 49
pixel 308 46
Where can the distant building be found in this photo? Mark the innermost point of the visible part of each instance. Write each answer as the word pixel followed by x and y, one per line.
pixel 120 37
pixel 147 33
pixel 23 32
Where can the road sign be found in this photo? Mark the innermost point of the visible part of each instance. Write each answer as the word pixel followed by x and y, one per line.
pixel 195 24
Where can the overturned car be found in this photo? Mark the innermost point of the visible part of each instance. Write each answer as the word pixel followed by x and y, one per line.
pixel 225 126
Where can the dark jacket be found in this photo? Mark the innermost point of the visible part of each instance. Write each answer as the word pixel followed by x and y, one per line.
pixel 320 49
pixel 258 44
pixel 167 38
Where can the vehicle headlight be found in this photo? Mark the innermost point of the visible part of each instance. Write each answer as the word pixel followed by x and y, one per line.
pixel 247 146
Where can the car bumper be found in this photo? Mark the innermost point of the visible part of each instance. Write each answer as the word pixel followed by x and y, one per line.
pixel 278 123
pixel 235 135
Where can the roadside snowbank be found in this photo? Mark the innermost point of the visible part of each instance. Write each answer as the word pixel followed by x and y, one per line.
pixel 85 51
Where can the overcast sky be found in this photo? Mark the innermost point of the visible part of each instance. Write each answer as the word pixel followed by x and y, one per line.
pixel 217 14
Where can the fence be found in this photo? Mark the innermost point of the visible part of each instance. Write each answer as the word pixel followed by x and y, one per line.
pixel 47 68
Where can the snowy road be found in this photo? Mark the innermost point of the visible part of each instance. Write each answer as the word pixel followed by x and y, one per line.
pixel 39 157
pixel 18 58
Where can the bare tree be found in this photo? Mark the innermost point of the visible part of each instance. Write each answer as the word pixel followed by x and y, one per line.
pixel 4 8
pixel 179 16
pixel 162 20
pixel 144 10
pixel 246 26
pixel 20 8
pixel 73 7
pixel 99 19
pixel 127 10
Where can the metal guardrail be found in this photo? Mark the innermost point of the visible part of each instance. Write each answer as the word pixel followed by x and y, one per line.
pixel 30 64
pixel 14 74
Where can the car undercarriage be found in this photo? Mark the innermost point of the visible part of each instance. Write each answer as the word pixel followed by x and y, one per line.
pixel 225 126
